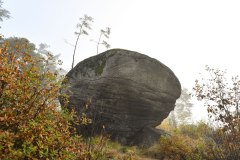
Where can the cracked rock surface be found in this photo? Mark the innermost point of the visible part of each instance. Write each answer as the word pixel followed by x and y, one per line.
pixel 129 92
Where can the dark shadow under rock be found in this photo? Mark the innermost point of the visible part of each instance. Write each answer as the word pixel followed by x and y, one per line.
pixel 148 136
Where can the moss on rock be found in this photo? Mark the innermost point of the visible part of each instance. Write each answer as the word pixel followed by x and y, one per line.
pixel 99 68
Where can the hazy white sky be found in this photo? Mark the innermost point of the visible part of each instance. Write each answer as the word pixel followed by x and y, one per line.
pixel 185 35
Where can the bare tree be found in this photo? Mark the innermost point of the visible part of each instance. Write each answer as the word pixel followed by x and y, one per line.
pixel 106 34
pixel 83 26
pixel 221 98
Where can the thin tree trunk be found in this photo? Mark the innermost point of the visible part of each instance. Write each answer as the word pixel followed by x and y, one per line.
pixel 75 47
pixel 99 42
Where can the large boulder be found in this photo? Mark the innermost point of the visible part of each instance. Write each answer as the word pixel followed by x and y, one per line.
pixel 130 93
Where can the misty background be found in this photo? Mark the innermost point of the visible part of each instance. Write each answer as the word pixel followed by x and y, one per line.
pixel 184 35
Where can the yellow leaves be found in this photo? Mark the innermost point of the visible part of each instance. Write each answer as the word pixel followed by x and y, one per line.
pixel 166 125
pixel 85 120
pixel 198 142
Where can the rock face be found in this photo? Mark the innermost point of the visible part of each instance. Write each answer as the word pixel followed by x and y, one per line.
pixel 131 94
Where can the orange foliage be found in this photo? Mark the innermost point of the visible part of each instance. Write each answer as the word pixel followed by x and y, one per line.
pixel 31 124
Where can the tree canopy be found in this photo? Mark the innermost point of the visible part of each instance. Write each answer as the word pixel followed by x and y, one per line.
pixel 4 14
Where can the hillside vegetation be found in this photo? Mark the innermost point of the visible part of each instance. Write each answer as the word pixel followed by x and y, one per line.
pixel 34 127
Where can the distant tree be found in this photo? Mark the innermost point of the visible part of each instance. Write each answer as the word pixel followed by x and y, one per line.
pixel 172 121
pixel 43 50
pixel 182 111
pixel 221 97
pixel 83 26
pixel 184 106
pixel 19 45
pixel 106 34
pixel 22 45
pixel 4 14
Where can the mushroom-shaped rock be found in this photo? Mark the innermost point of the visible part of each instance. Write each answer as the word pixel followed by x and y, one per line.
pixel 129 92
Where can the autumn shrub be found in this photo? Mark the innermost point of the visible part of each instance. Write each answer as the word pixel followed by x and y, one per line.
pixel 32 126
pixel 184 142
pixel 197 141
pixel 225 145
pixel 195 131
pixel 117 151
pixel 221 98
